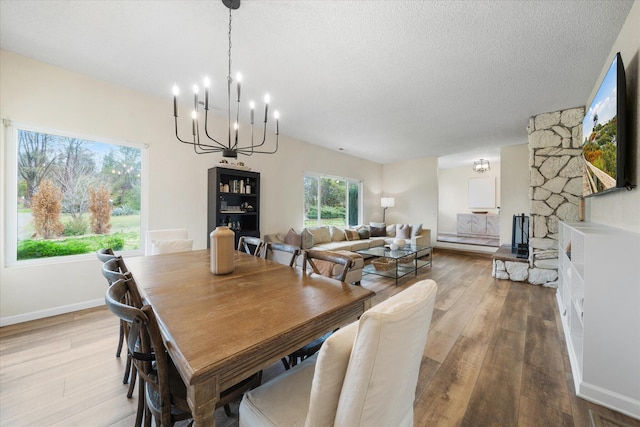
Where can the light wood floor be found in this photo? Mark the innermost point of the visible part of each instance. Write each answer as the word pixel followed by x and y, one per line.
pixel 494 357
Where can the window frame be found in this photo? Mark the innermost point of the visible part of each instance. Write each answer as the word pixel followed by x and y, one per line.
pixel 349 181
pixel 10 177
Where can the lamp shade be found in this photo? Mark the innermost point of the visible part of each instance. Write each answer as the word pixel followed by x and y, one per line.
pixel 387 202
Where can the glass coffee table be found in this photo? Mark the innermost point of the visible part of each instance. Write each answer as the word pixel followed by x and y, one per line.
pixel 396 263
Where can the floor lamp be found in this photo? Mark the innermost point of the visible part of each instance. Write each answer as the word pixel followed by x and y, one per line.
pixel 386 202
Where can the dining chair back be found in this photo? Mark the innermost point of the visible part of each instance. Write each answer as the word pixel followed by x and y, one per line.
pixel 325 263
pixel 105 254
pixel 149 356
pixel 282 253
pixel 365 374
pixel 246 243
pixel 114 269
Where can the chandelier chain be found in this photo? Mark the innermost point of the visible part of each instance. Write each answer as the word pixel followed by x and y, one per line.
pixel 229 81
pixel 229 52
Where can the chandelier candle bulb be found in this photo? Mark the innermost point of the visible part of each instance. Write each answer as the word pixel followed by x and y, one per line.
pixel 238 80
pixel 176 92
pixel 267 99
pixel 235 127
pixel 206 84
pixel 195 97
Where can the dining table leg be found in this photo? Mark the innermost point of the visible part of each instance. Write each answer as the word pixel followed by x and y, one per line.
pixel 202 398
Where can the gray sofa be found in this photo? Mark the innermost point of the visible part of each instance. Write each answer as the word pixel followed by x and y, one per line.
pixel 330 238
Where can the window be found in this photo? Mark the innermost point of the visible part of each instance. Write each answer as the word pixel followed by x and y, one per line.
pixel 331 201
pixel 72 195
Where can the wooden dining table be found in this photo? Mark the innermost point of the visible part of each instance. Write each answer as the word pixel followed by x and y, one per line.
pixel 220 329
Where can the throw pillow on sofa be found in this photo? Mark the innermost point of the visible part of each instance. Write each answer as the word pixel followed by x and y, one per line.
pixel 378 231
pixel 391 230
pixel 364 233
pixel 307 239
pixel 293 238
pixel 416 230
pixel 403 231
pixel 320 234
pixel 351 235
pixel 337 234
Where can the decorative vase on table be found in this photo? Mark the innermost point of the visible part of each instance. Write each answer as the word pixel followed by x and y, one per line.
pixel 400 243
pixel 222 250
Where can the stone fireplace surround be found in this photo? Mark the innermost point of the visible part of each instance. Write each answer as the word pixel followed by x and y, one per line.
pixel 555 188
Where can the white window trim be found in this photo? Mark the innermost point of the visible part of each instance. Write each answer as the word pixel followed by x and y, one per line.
pixel 9 202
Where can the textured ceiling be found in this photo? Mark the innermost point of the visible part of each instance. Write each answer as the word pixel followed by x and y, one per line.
pixel 383 80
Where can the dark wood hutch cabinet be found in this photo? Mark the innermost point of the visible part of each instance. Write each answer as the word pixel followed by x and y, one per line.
pixel 230 204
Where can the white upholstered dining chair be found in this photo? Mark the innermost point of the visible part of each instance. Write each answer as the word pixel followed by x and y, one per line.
pixel 365 374
pixel 167 241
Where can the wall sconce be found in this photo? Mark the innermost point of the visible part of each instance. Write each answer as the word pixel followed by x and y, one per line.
pixel 481 166
pixel 386 202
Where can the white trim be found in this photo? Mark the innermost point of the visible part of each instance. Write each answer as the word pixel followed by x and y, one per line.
pixel 609 399
pixel 9 223
pixel 55 311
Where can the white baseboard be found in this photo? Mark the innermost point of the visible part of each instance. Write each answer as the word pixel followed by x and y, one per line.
pixel 12 320
pixel 610 399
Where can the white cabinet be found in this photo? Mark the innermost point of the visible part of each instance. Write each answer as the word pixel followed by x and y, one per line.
pixel 478 224
pixel 599 300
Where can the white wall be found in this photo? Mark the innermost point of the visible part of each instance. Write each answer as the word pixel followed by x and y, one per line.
pixel 414 184
pixel 39 94
pixel 622 208
pixel 514 187
pixel 453 193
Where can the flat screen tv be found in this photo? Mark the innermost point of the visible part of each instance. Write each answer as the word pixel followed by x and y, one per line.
pixel 604 147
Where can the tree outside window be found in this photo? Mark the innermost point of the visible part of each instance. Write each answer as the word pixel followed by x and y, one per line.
pixel 331 201
pixel 75 196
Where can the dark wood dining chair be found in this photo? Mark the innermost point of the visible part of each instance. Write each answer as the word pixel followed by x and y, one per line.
pixel 323 262
pixel 111 275
pixel 282 253
pixel 161 387
pixel 113 270
pixel 245 243
pixel 104 255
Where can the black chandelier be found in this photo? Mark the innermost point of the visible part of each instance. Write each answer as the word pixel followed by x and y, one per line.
pixel 210 144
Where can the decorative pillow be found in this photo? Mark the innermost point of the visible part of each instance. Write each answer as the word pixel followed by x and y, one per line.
pixel 320 234
pixel 364 233
pixel 293 238
pixel 307 239
pixel 403 231
pixel 351 235
pixel 170 246
pixel 337 234
pixel 377 224
pixel 416 230
pixel 378 231
pixel 391 230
